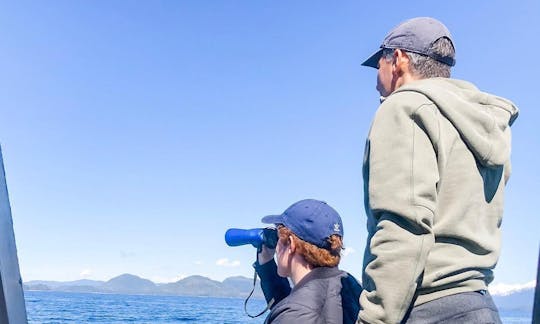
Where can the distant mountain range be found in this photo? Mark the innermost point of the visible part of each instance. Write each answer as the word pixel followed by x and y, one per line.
pixel 521 300
pixel 131 284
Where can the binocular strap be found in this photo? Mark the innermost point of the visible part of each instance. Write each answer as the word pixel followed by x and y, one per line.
pixel 270 303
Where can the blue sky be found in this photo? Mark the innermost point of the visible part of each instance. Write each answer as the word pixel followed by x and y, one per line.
pixel 135 133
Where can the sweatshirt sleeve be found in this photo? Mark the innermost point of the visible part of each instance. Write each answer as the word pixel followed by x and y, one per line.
pixel 401 176
pixel 273 286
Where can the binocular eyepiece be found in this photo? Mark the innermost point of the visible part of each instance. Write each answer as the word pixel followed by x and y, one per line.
pixel 256 237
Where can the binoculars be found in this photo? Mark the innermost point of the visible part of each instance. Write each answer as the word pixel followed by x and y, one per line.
pixel 256 237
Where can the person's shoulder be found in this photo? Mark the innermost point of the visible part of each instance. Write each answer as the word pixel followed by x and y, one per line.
pixel 405 101
pixel 311 293
pixel 350 280
pixel 297 305
pixel 401 105
pixel 289 310
pixel 314 292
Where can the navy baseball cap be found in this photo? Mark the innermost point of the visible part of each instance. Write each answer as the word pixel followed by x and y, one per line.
pixel 415 35
pixel 313 221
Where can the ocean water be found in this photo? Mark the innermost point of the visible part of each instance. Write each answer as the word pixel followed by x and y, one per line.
pixel 62 307
pixel 49 307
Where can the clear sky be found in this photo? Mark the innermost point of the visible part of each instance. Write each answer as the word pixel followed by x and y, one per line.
pixel 134 133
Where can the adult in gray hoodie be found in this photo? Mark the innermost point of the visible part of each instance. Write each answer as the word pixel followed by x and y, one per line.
pixel 437 159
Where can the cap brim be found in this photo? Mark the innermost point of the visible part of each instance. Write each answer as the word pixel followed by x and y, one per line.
pixel 373 60
pixel 272 219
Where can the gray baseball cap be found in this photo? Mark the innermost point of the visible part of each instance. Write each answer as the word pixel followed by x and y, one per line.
pixel 415 35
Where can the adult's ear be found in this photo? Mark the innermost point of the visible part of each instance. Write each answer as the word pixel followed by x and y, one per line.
pixel 400 62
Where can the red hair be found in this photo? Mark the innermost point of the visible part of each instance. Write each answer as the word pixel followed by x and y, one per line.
pixel 314 255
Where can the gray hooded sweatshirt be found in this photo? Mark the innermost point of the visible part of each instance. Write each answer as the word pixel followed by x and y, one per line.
pixel 436 162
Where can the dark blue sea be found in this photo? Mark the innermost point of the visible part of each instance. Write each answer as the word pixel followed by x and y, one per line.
pixel 62 307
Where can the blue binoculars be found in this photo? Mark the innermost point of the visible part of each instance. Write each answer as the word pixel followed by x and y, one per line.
pixel 256 237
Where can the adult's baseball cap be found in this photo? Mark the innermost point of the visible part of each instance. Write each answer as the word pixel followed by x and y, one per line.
pixel 415 35
pixel 313 221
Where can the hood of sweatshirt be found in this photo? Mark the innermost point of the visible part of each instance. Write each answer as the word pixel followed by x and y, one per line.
pixel 482 119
